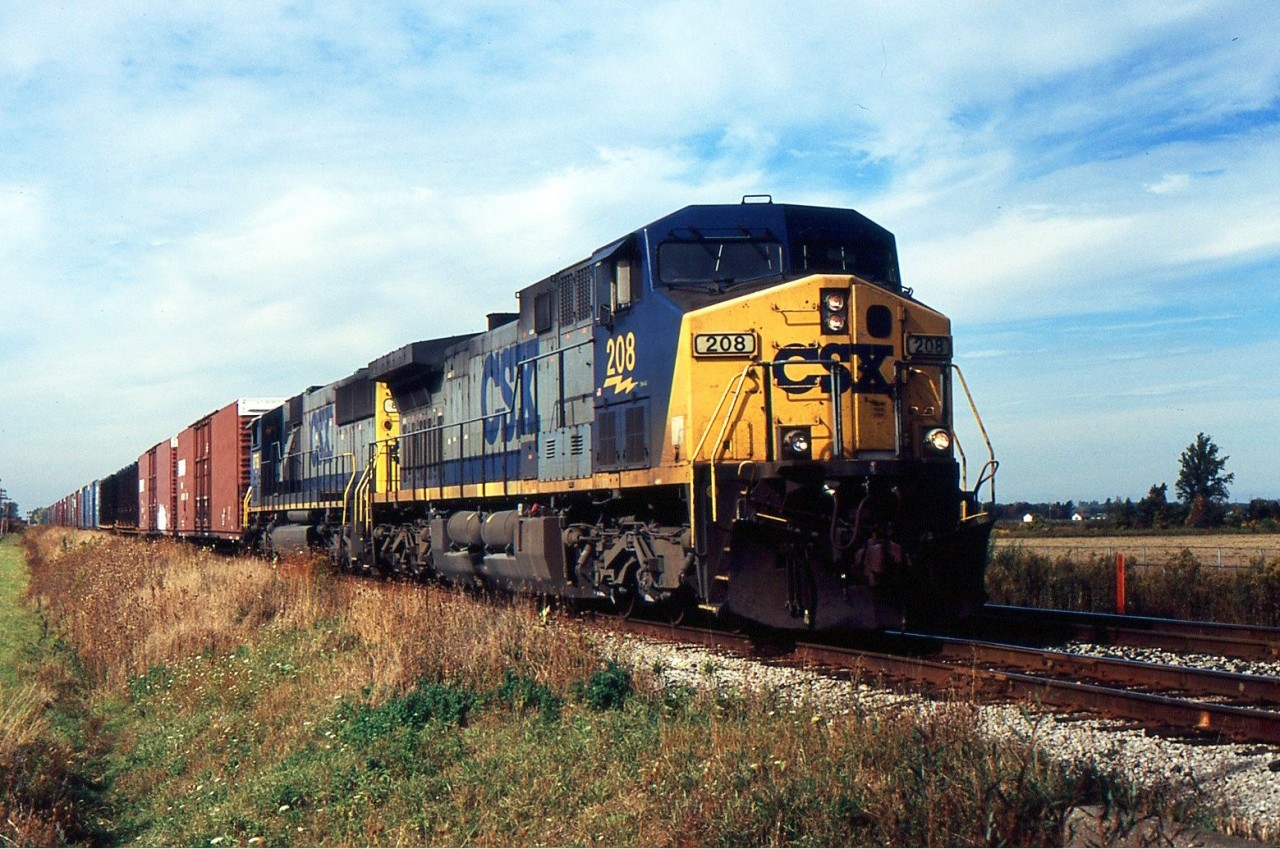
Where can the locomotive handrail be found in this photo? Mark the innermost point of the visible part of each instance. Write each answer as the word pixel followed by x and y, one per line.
pixel 346 490
pixel 360 510
pixel 711 420
pixel 955 437
pixel 483 454
pixel 991 464
pixel 441 427
pixel 740 380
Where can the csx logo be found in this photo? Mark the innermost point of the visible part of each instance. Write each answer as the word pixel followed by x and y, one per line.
pixel 800 368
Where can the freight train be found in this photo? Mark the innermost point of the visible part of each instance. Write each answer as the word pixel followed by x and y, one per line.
pixel 737 407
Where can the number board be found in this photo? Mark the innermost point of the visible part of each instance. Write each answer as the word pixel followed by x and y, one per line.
pixel 724 344
pixel 928 347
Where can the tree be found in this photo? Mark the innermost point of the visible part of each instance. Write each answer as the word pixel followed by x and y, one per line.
pixel 1202 483
pixel 1153 511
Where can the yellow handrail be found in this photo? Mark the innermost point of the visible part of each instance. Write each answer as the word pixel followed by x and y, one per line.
pixel 740 380
pixel 991 453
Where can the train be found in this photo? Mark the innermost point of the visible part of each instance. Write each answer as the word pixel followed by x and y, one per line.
pixel 736 408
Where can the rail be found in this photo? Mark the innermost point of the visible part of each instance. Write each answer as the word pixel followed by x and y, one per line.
pixel 969 675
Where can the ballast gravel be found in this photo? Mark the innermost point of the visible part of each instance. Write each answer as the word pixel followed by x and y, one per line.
pixel 1241 780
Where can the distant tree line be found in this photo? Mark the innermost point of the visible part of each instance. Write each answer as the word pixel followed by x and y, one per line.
pixel 1202 490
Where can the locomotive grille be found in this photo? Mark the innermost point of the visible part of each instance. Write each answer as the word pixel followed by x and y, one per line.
pixel 582 282
pixel 573 290
pixel 607 453
pixel 634 442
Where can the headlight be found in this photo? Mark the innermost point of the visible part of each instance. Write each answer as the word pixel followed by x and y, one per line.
pixel 796 443
pixel 833 307
pixel 938 439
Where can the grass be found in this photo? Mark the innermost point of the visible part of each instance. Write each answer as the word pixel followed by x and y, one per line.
pixel 45 782
pixel 19 628
pixel 208 701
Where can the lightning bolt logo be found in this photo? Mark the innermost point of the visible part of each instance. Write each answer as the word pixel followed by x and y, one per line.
pixel 621 385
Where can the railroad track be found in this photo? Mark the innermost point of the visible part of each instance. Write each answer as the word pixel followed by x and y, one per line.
pixel 1169 698
pixel 1025 625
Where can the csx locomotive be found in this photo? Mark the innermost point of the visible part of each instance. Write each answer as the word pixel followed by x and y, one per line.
pixel 736 407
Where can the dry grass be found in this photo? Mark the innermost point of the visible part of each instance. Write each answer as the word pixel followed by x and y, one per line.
pixel 246 702
pixel 1180 586
pixel 1231 550
pixel 128 606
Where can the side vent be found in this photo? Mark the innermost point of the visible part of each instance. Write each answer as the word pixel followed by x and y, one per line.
pixel 635 445
pixel 607 444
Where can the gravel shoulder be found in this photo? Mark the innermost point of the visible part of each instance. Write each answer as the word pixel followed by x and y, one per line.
pixel 1241 780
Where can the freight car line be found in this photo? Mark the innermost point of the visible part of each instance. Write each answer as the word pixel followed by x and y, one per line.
pixel 970 676
pixel 1025 624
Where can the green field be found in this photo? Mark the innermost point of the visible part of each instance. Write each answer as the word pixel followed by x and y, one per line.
pixel 18 626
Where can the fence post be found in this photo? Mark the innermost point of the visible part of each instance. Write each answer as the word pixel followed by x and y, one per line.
pixel 1120 584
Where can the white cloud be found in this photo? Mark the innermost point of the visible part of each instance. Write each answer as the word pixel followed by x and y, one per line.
pixel 1170 184
pixel 201 189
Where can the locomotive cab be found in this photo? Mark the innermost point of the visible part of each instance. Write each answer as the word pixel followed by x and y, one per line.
pixel 809 409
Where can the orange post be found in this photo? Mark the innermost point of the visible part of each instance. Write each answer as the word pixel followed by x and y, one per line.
pixel 1120 584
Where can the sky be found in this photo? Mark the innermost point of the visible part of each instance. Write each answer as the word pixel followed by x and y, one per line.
pixel 201 202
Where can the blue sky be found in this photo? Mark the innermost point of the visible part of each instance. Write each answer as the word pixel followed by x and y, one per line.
pixel 200 202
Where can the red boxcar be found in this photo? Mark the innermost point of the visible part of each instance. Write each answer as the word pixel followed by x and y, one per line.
pixel 157 497
pixel 211 471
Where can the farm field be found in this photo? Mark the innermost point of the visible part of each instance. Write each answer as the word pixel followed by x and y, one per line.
pixel 1234 550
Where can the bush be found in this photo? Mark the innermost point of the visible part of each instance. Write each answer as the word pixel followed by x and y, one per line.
pixel 427 703
pixel 608 688
pixel 522 693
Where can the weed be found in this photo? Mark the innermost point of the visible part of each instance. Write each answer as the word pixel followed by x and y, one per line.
pixel 608 688
pixel 523 694
pixel 428 702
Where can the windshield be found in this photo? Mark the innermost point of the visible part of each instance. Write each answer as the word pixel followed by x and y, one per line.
pixel 868 258
pixel 718 263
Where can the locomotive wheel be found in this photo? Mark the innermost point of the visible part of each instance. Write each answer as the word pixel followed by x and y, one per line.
pixel 677 608
pixel 622 601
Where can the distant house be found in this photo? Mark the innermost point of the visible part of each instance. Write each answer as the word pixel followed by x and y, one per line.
pixel 1076 517
pixel 1028 519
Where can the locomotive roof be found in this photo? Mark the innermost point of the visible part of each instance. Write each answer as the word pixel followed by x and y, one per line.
pixel 782 219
